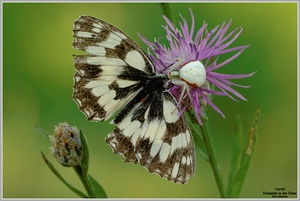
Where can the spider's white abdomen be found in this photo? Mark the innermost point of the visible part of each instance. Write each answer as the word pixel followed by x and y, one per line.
pixel 193 73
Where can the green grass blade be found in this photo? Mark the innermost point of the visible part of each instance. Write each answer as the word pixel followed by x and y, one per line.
pixel 247 156
pixel 99 191
pixel 85 152
pixel 198 141
pixel 72 188
pixel 93 188
pixel 43 133
pixel 235 154
pixel 197 135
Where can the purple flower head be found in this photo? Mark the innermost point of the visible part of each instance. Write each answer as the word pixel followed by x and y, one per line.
pixel 197 54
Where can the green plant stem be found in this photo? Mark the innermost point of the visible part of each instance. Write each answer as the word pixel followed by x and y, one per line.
pixel 167 11
pixel 212 156
pixel 86 182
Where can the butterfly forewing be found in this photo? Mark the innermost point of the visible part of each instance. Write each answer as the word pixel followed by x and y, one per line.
pixel 117 75
pixel 113 71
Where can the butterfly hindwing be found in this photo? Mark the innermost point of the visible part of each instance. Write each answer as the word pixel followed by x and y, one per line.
pixel 153 134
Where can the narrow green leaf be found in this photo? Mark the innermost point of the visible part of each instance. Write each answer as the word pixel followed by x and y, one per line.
pixel 85 152
pixel 197 135
pixel 247 156
pixel 236 154
pixel 100 192
pixel 72 188
pixel 82 170
pixel 43 133
pixel 198 141
pixel 93 188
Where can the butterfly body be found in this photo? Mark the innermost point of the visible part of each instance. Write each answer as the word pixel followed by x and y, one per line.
pixel 117 75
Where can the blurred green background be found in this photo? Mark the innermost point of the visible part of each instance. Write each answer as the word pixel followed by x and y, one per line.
pixel 37 90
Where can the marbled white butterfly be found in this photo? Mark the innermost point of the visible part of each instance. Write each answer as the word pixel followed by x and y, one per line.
pixel 116 74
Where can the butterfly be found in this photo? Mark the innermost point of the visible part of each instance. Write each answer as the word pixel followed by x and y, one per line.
pixel 116 76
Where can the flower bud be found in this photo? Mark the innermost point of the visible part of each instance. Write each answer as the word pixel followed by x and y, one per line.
pixel 66 145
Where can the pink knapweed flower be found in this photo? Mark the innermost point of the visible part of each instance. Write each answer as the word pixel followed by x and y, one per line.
pixel 197 58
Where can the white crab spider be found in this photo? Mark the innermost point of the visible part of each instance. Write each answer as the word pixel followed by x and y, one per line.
pixel 190 74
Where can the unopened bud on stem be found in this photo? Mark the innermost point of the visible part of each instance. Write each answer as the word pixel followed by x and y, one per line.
pixel 66 145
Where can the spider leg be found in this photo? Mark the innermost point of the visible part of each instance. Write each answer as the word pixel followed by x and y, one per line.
pixel 185 88
pixel 177 64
